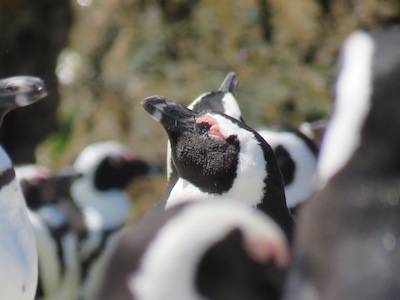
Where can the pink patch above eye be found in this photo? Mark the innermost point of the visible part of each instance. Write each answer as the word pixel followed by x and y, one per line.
pixel 214 132
pixel 263 250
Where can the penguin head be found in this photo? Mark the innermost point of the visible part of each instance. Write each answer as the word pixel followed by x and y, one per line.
pixel 111 166
pixel 15 92
pixel 210 250
pixel 41 186
pixel 228 270
pixel 19 91
pixel 222 101
pixel 210 149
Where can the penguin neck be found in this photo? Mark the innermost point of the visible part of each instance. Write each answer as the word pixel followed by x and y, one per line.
pixel 274 201
pixel 13 200
pixel 247 185
pixel 112 207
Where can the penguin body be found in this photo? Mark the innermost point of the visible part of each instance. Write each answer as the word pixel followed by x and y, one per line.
pixel 219 157
pixel 58 223
pixel 107 168
pixel 77 211
pixel 18 254
pixel 199 250
pixel 297 158
pixel 347 245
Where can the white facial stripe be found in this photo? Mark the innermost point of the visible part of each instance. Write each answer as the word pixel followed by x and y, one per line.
pixel 169 160
pixel 231 106
pixel 249 184
pixel 351 108
pixel 94 153
pixel 22 100
pixel 306 163
pixel 197 100
pixel 186 237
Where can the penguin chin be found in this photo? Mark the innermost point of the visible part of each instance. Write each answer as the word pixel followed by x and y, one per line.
pixel 212 172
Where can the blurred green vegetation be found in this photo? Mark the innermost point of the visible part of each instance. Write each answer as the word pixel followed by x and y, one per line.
pixel 284 53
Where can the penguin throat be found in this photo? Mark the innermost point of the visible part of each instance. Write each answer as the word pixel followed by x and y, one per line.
pixel 214 131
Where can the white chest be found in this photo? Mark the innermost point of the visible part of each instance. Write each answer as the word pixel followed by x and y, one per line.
pixel 18 255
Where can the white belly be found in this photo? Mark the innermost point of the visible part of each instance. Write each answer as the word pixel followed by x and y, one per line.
pixel 18 255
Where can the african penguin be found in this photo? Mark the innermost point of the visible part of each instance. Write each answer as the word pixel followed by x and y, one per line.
pixel 199 250
pixel 58 224
pixel 347 244
pixel 219 157
pixel 222 101
pixel 297 159
pixel 42 187
pixel 107 168
pixel 18 254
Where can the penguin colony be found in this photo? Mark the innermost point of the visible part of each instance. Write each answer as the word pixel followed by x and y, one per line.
pixel 246 214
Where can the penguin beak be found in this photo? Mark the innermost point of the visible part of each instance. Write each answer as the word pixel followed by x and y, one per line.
pixel 20 91
pixel 62 179
pixel 172 116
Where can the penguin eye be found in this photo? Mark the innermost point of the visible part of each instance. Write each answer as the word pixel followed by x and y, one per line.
pixel 202 128
pixel 232 139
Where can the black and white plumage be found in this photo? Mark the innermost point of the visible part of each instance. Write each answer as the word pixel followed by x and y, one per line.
pixel 295 152
pixel 77 211
pixel 219 157
pixel 58 225
pixel 222 101
pixel 347 244
pixel 297 157
pixel 18 254
pixel 42 186
pixel 199 250
pixel 107 168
